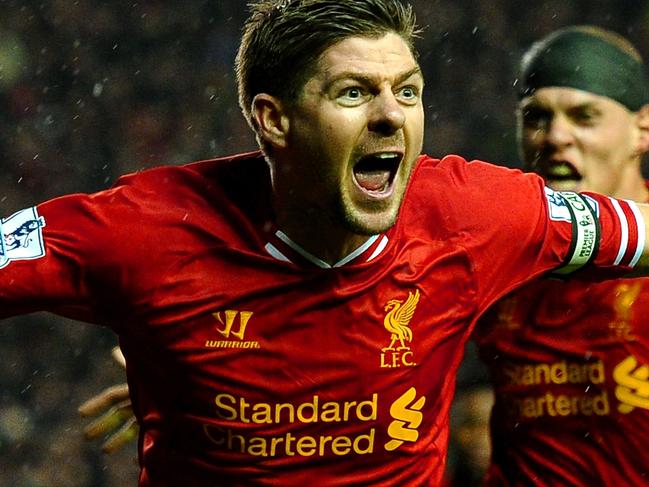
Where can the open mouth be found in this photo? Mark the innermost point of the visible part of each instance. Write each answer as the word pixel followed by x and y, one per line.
pixel 375 173
pixel 560 172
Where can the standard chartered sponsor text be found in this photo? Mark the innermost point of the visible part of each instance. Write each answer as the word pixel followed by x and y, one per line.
pixel 562 372
pixel 550 404
pixel 585 403
pixel 288 443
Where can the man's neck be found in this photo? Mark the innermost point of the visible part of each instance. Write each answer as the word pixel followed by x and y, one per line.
pixel 633 187
pixel 318 235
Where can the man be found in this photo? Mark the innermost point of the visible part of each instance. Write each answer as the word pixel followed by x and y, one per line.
pixel 280 324
pixel 569 360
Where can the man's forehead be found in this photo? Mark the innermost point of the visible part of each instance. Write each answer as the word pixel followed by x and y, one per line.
pixel 331 76
pixel 359 53
pixel 562 96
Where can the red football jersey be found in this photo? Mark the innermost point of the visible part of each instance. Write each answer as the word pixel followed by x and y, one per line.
pixel 251 361
pixel 570 363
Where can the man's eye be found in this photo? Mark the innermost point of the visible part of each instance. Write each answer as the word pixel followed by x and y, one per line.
pixel 409 92
pixel 352 96
pixel 353 93
pixel 536 118
pixel 585 117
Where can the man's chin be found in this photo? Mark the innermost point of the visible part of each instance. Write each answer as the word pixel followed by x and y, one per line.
pixel 370 223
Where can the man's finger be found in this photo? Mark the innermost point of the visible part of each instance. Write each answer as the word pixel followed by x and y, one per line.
pixel 104 400
pixel 126 434
pixel 108 422
pixel 118 356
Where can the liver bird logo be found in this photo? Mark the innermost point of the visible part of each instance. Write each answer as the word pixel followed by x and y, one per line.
pixel 397 320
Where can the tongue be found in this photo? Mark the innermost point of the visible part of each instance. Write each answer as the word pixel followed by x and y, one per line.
pixel 373 180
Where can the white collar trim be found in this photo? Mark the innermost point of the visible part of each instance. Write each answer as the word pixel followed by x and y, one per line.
pixel 274 252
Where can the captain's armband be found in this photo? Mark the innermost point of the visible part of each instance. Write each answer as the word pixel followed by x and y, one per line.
pixel 586 231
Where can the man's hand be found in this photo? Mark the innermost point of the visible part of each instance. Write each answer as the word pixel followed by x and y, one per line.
pixel 117 422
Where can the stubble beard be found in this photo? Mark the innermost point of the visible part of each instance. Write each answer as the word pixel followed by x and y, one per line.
pixel 367 221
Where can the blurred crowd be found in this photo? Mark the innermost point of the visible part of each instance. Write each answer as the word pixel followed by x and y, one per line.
pixel 90 90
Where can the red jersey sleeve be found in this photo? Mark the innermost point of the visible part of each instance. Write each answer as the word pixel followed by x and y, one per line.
pixel 66 256
pixel 515 229
pixel 623 233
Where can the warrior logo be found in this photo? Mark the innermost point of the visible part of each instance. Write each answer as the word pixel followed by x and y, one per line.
pixel 407 415
pixel 397 321
pixel 21 236
pixel 228 331
pixel 230 315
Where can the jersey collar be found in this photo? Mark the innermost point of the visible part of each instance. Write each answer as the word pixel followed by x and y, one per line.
pixel 282 248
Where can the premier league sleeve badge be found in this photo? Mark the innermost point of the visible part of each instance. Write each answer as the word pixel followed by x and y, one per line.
pixel 21 236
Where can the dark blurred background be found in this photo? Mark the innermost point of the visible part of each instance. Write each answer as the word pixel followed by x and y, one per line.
pixel 90 90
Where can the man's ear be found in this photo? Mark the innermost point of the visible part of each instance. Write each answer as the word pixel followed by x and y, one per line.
pixel 271 120
pixel 642 122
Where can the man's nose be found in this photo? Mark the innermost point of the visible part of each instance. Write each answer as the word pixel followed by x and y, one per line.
pixel 387 114
pixel 560 131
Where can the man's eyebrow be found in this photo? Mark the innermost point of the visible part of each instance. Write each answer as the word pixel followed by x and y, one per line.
pixel 541 106
pixel 587 105
pixel 355 75
pixel 534 105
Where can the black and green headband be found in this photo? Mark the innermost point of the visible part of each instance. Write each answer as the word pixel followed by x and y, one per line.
pixel 585 61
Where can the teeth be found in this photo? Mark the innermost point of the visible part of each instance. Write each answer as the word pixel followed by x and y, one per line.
pixel 562 170
pixel 387 155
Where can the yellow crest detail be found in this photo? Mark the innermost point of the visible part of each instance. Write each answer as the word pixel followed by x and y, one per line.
pixel 397 320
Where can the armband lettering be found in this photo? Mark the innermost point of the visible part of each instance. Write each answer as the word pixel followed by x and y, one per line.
pixel 585 233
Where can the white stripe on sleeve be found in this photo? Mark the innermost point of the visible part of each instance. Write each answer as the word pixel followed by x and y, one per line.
pixel 624 225
pixel 641 232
